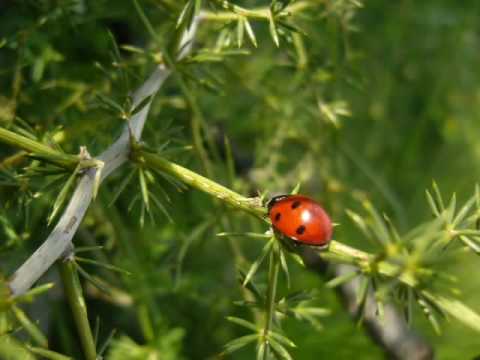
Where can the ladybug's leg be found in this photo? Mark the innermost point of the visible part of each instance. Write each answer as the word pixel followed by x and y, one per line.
pixel 287 243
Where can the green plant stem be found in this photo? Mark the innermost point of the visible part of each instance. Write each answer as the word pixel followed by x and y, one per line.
pixel 31 146
pixel 367 262
pixel 338 248
pixel 30 327
pixel 338 251
pixel 73 289
pixel 273 269
pixel 47 354
pixel 199 182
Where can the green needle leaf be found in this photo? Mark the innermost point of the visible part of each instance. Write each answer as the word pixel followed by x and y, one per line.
pixel 186 14
pixel 245 234
pixel 109 103
pixel 141 105
pixel 144 189
pixel 107 342
pixel 47 354
pixel 360 223
pixel 240 342
pixel 240 31
pixel 261 351
pixel 273 29
pixel 80 249
pixel 438 196
pixel 250 33
pixel 362 292
pixel 432 203
pixel 456 309
pixel 32 293
pixel 198 7
pixel 162 208
pixel 471 244
pixel 243 323
pixel 254 267
pixel 62 196
pixel 378 227
pixel 296 189
pixel 429 314
pixel 461 215
pixel 282 339
pixel 284 265
pixel 106 266
pixel 32 329
pixel 122 187
pixel 279 350
pixel 342 279
pixel 91 279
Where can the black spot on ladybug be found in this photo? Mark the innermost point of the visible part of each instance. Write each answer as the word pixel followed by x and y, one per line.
pixel 300 230
pixel 278 216
pixel 296 204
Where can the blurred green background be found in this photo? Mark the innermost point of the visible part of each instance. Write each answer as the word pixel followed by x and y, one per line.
pixel 376 100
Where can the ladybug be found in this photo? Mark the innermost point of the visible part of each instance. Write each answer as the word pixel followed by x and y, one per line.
pixel 300 219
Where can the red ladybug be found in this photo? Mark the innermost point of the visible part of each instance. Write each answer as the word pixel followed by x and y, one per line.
pixel 300 219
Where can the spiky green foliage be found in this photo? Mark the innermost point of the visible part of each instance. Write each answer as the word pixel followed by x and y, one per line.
pixel 363 103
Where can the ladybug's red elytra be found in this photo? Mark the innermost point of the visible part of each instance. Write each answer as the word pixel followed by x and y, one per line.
pixel 301 219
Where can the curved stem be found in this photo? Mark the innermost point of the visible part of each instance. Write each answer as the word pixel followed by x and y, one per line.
pixel 273 269
pixel 199 182
pixel 32 146
pixel 73 289
pixel 112 158
pixel 336 251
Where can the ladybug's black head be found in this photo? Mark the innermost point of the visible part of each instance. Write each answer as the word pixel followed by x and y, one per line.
pixel 274 200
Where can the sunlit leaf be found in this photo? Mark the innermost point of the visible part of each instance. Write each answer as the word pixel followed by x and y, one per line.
pixel 341 279
pixel 240 342
pixel 250 33
pixel 273 30
pixel 281 339
pixel 62 196
pixel 438 197
pixel 279 350
pixel 256 264
pixel 243 323
pixel 456 309
pixel 240 31
pixel 144 189
pixel 30 295
pixel 186 14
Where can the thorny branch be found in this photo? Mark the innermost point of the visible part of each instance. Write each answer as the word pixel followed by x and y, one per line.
pixel 61 237
pixel 60 240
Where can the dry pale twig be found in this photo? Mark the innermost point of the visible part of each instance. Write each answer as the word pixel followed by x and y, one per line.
pixel 60 238
pixel 391 331
pixel 399 341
